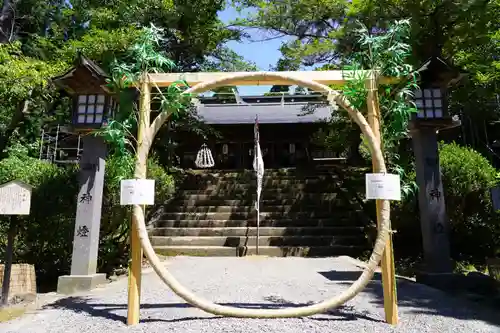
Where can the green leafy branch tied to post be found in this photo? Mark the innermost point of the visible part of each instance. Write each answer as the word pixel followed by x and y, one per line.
pixel 126 75
pixel 387 53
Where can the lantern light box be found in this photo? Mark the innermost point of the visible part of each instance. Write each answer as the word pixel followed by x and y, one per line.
pixel 93 104
pixel 429 103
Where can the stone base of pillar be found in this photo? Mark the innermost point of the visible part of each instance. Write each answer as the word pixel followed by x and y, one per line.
pixel 69 284
pixel 453 282
pixel 443 281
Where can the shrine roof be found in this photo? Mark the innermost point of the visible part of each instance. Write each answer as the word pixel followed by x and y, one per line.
pixel 268 109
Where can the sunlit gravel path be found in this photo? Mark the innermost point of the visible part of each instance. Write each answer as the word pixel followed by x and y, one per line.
pixel 258 282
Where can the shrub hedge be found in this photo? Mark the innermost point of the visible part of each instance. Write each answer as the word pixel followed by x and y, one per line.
pixel 467 180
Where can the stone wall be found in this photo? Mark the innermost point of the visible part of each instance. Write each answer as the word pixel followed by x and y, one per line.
pixel 22 279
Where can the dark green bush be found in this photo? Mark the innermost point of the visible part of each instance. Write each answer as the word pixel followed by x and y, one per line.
pixel 467 179
pixel 45 237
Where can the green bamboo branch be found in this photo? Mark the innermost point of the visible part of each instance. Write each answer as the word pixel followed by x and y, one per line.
pixel 387 53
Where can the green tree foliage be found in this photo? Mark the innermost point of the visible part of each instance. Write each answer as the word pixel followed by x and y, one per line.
pixel 193 32
pixel 322 31
pixel 40 39
pixel 465 33
pixel 24 95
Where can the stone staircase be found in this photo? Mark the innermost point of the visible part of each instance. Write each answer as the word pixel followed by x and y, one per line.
pixel 303 213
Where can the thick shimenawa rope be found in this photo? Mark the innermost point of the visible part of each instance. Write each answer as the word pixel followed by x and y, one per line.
pixel 216 309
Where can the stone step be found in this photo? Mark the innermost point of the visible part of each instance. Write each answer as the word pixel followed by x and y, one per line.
pixel 251 173
pixel 252 231
pixel 235 241
pixel 283 209
pixel 271 190
pixel 204 201
pixel 327 222
pixel 266 181
pixel 249 196
pixel 291 172
pixel 250 215
pixel 272 251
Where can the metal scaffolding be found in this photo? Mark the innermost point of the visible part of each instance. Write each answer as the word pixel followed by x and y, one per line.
pixel 60 145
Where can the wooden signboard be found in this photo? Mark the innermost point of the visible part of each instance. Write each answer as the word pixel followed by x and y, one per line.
pixel 15 198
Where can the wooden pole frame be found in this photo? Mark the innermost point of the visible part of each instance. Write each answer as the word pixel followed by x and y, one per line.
pixel 262 78
pixel 147 131
pixel 135 265
pixel 387 263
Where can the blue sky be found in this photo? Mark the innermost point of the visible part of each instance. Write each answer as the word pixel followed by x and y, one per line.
pixel 264 54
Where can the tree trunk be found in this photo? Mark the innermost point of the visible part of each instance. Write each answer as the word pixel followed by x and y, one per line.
pixel 7 21
pixel 354 157
pixel 16 119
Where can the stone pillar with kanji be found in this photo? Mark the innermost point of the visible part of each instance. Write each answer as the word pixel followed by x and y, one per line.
pixel 84 275
pixel 433 217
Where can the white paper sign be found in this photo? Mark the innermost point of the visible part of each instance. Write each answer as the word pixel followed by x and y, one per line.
pixel 15 198
pixel 137 192
pixel 383 186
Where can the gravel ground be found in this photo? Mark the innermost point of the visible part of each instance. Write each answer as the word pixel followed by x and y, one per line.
pixel 258 282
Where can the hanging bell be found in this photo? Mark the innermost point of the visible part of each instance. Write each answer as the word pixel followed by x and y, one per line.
pixel 204 158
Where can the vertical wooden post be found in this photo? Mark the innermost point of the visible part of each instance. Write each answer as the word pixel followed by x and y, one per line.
pixel 387 263
pixel 134 280
pixel 11 236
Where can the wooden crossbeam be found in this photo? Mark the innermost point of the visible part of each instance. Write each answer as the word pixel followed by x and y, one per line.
pixel 323 77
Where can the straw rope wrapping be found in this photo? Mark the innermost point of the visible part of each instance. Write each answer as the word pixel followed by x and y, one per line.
pixel 216 309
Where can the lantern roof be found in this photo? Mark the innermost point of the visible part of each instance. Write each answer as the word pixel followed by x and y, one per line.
pixel 436 71
pixel 85 77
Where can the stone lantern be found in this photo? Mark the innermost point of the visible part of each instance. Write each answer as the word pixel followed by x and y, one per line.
pixel 431 100
pixel 436 76
pixel 92 106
